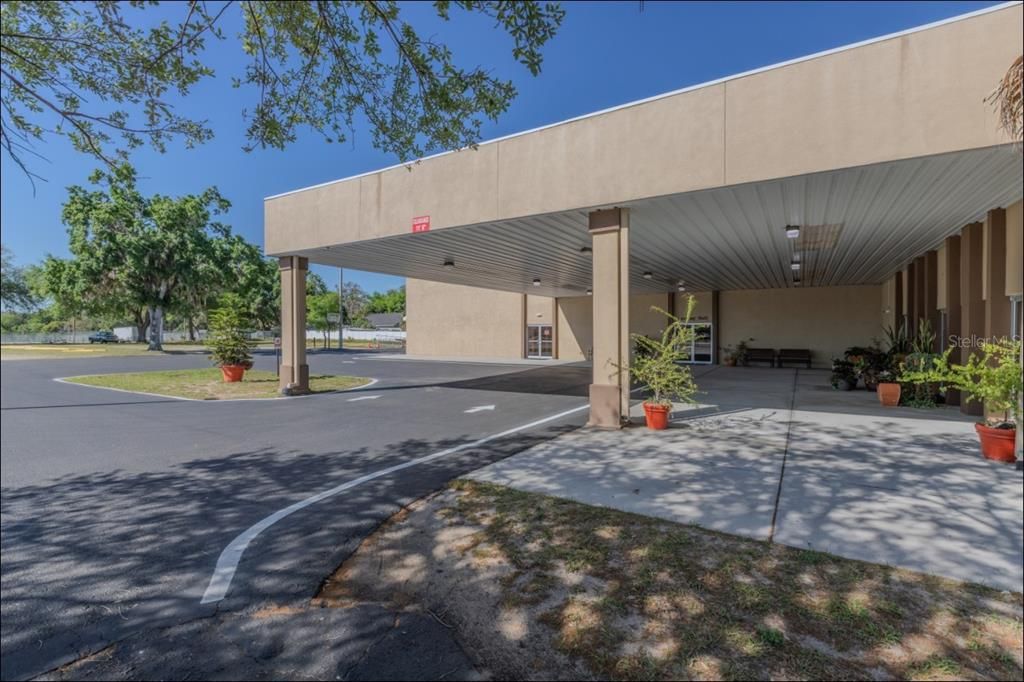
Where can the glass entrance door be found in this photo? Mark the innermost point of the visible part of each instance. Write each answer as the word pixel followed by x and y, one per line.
pixel 540 341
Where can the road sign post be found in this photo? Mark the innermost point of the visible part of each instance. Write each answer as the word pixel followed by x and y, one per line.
pixel 277 352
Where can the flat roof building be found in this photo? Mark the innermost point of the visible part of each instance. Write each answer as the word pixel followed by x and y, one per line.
pixel 806 205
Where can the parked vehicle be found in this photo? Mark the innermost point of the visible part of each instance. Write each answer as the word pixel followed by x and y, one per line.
pixel 103 337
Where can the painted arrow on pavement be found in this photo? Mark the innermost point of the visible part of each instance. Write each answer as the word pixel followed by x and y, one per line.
pixel 480 408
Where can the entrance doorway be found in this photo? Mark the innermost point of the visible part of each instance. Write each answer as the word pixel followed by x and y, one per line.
pixel 540 341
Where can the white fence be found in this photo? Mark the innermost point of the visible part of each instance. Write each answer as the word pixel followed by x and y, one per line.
pixel 380 335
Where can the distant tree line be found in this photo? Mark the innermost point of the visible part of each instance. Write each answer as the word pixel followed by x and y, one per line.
pixel 158 261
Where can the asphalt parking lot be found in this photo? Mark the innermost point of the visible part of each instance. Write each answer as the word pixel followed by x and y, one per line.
pixel 116 506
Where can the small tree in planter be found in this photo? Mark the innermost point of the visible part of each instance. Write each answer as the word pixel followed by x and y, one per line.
pixel 844 375
pixel 994 379
pixel 658 363
pixel 230 348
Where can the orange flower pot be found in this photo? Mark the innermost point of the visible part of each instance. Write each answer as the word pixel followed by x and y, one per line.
pixel 997 444
pixel 657 416
pixel 888 394
pixel 232 373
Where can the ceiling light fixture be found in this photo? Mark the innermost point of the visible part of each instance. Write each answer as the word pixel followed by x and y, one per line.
pixel 648 275
pixel 792 231
pixel 680 285
pixel 590 292
pixel 449 264
pixel 536 282
pixel 586 250
pixel 794 265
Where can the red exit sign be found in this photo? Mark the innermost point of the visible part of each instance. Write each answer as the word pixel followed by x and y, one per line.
pixel 421 224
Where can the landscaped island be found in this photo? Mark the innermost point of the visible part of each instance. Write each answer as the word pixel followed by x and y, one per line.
pixel 207 384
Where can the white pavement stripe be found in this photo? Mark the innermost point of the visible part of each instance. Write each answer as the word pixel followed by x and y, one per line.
pixel 363 397
pixel 227 563
pixel 67 380
pixel 480 408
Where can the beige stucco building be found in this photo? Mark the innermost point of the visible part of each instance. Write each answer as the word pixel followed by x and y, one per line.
pixel 806 205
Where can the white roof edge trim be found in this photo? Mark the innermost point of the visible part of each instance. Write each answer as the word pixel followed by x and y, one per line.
pixel 672 93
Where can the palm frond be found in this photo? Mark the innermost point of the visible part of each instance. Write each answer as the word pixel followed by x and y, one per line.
pixel 1006 99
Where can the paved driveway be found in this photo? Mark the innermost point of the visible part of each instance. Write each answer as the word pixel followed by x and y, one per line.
pixel 116 506
pixel 777 454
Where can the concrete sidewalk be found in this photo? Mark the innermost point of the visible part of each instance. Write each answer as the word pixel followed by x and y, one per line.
pixel 777 454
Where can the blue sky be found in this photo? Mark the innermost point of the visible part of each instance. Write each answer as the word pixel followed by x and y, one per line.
pixel 605 54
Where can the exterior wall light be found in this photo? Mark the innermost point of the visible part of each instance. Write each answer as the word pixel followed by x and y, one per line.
pixel 648 275
pixel 792 231
pixel 449 264
pixel 536 282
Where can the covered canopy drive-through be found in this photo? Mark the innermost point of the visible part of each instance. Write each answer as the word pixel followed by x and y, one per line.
pixel 805 205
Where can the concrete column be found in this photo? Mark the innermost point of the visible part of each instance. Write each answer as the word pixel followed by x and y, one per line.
pixel 930 310
pixel 919 297
pixel 972 305
pixel 997 304
pixel 911 298
pixel 899 308
pixel 951 254
pixel 716 333
pixel 609 392
pixel 294 370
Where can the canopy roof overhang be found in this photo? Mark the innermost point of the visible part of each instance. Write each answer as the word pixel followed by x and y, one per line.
pixel 858 226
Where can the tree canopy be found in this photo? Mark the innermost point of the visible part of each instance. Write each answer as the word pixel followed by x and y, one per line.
pixel 108 75
pixel 15 291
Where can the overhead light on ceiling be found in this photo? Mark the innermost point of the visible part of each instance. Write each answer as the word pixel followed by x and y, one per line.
pixel 449 264
pixel 536 282
pixel 586 250
pixel 590 292
pixel 795 265
pixel 792 231
pixel 796 281
pixel 680 286
pixel 648 275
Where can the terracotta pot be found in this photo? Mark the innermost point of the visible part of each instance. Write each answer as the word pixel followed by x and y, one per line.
pixel 657 416
pixel 232 373
pixel 888 393
pixel 997 444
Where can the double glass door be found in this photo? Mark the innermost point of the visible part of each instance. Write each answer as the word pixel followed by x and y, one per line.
pixel 540 341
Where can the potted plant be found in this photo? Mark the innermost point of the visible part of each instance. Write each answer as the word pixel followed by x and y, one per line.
pixel 659 363
pixel 994 379
pixel 742 349
pixel 230 348
pixel 916 363
pixel 728 356
pixel 888 388
pixel 844 375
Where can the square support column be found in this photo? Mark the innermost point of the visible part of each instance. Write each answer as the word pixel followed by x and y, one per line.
pixel 951 254
pixel 930 291
pixel 997 303
pixel 972 303
pixel 911 298
pixel 609 390
pixel 294 376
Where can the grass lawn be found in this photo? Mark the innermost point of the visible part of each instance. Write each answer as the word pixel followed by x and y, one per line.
pixel 533 578
pixel 207 384
pixel 40 351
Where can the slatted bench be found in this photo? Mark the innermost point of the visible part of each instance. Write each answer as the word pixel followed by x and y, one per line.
pixel 801 355
pixel 761 355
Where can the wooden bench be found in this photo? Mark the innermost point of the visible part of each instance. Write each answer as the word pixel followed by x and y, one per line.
pixel 761 355
pixel 795 355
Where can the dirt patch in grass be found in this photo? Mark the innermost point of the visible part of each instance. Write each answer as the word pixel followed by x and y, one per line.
pixel 538 587
pixel 208 384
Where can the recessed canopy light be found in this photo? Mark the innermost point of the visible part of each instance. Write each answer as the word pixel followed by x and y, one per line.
pixel 590 292
pixel 648 275
pixel 681 288
pixel 796 281
pixel 449 264
pixel 794 265
pixel 586 250
pixel 536 282
pixel 792 231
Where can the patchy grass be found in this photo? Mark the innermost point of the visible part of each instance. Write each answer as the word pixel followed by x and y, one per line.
pixel 207 384
pixel 634 598
pixel 86 350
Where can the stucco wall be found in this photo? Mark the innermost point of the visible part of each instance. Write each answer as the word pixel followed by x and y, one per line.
pixel 1015 249
pixel 826 320
pixel 452 320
